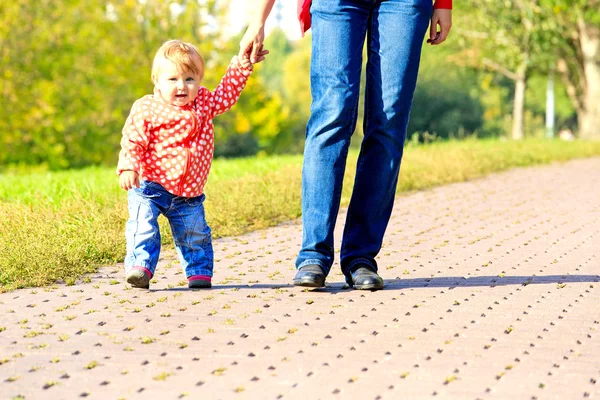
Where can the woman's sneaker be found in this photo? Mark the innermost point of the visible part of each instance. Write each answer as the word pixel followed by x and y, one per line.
pixel 139 278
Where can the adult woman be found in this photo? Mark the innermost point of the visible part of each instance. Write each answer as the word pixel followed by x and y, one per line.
pixel 394 30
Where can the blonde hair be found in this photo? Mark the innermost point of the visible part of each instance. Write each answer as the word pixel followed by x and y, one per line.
pixel 184 55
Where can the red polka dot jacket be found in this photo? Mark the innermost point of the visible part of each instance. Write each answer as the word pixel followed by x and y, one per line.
pixel 172 145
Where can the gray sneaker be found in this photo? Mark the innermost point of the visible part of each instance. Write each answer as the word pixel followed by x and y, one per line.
pixel 138 279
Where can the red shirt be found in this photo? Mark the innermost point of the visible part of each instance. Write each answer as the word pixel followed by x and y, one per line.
pixel 172 145
pixel 304 11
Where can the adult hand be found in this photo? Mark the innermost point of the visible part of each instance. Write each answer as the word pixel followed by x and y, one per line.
pixel 443 18
pixel 129 180
pixel 252 43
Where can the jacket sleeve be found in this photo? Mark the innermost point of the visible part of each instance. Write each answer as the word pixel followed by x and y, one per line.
pixel 134 141
pixel 228 91
pixel 304 15
pixel 443 4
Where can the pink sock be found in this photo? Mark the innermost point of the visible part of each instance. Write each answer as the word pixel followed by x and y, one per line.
pixel 146 271
pixel 199 278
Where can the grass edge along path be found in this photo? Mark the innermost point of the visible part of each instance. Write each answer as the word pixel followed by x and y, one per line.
pixel 43 242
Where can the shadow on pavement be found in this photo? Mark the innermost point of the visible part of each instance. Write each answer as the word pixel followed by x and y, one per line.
pixel 450 282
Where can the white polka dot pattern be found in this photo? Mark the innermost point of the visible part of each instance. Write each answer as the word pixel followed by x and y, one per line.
pixel 174 145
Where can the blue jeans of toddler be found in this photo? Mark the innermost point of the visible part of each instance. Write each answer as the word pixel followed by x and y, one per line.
pixel 191 233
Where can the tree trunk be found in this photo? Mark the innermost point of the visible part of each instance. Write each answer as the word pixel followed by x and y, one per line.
pixel 589 114
pixel 518 122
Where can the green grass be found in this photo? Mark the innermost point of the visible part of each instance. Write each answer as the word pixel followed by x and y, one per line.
pixel 58 226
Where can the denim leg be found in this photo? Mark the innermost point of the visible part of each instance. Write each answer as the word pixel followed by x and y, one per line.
pixel 142 231
pixel 395 38
pixel 192 235
pixel 338 34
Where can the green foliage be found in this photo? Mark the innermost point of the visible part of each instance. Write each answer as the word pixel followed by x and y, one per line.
pixel 538 38
pixel 536 101
pixel 568 9
pixel 259 117
pixel 79 66
pixel 70 72
pixel 272 69
pixel 447 100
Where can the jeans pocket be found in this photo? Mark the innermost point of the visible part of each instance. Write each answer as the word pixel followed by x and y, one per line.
pixel 149 190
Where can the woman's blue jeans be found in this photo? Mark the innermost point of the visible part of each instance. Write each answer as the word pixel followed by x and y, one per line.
pixel 191 233
pixel 394 30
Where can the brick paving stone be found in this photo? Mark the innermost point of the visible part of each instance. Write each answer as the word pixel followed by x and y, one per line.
pixel 492 292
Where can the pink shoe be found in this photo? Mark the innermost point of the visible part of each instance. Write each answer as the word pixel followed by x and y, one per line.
pixel 139 277
pixel 199 282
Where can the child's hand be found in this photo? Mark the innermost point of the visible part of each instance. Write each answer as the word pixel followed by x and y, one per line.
pixel 261 55
pixel 129 180
pixel 243 62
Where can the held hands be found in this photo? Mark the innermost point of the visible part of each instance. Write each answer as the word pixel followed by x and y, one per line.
pixel 245 62
pixel 251 45
pixel 443 18
pixel 129 180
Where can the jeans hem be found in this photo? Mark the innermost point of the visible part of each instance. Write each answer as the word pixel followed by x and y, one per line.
pixel 348 267
pixel 129 268
pixel 314 262
pixel 205 272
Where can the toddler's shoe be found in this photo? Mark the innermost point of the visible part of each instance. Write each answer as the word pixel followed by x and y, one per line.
pixel 139 278
pixel 199 282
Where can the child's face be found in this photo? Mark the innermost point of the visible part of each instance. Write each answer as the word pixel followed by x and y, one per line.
pixel 175 87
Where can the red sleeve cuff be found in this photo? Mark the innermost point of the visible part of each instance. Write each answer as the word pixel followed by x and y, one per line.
pixel 443 4
pixel 304 15
pixel 304 11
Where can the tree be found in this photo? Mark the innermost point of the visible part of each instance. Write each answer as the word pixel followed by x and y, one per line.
pixel 576 35
pixel 70 71
pixel 503 36
pixel 445 104
pixel 260 119
pixel 272 69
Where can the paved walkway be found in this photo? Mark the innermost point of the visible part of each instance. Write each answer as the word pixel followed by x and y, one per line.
pixel 492 292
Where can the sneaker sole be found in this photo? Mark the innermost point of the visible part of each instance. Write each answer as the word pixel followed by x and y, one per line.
pixel 204 285
pixel 142 282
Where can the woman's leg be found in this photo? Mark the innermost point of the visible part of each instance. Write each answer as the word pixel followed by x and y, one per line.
pixel 338 34
pixel 396 32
